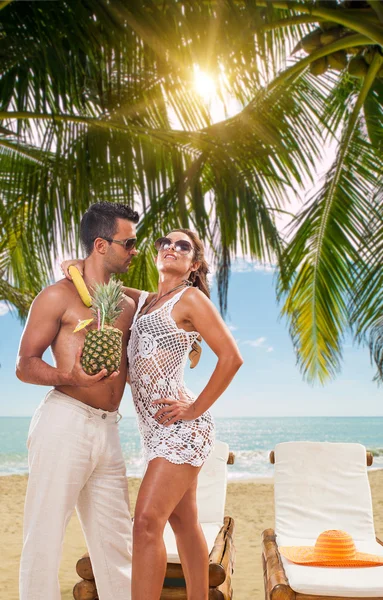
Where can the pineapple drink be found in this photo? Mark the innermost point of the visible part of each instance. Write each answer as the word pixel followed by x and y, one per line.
pixel 103 346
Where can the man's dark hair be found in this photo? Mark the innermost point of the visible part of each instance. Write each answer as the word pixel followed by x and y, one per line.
pixel 100 220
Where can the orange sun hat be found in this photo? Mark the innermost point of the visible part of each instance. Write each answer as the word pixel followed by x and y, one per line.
pixel 333 548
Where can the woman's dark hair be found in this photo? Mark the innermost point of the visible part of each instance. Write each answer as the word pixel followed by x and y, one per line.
pixel 199 277
pixel 100 220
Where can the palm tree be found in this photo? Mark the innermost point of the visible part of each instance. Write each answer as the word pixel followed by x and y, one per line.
pixel 331 276
pixel 88 94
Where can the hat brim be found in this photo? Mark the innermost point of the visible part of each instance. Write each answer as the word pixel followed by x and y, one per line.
pixel 304 555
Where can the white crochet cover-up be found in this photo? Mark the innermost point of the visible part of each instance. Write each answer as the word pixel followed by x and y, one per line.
pixel 158 351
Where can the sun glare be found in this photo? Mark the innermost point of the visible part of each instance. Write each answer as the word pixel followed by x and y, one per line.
pixel 204 85
pixel 213 90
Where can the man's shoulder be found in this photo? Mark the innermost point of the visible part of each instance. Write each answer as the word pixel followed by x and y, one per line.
pixel 57 292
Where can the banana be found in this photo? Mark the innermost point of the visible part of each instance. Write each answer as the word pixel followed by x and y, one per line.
pixel 80 285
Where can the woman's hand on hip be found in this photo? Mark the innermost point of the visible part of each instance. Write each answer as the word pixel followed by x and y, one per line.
pixel 174 410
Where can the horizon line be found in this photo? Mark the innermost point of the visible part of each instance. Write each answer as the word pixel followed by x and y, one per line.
pixel 246 417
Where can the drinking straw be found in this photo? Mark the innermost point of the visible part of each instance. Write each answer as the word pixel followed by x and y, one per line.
pixel 98 319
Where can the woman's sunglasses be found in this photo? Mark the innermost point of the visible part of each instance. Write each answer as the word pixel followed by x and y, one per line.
pixel 180 246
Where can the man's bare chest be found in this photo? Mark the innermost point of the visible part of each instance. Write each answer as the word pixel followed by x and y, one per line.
pixel 78 312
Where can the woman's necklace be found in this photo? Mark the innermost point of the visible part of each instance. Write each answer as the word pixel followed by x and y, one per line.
pixel 155 300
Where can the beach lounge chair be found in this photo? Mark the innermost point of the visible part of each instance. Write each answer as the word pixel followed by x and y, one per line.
pixel 318 487
pixel 218 530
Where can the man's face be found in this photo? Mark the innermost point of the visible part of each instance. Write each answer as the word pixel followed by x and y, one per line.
pixel 117 257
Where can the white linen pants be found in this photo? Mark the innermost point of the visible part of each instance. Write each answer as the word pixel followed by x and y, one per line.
pixel 75 461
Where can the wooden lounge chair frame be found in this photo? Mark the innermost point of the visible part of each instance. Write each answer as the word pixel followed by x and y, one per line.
pixel 221 567
pixel 275 580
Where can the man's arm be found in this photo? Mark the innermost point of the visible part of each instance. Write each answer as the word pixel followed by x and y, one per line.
pixel 42 326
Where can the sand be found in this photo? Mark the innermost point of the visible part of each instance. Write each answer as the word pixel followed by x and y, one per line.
pixel 249 503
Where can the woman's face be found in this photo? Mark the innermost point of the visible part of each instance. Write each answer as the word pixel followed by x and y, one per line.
pixel 173 259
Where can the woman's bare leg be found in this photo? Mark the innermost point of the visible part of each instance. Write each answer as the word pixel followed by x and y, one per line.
pixel 163 487
pixel 191 544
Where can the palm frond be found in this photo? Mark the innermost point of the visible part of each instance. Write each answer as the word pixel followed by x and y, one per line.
pixel 16 298
pixel 325 247
pixel 22 273
pixel 366 302
pixel 373 111
pixel 376 348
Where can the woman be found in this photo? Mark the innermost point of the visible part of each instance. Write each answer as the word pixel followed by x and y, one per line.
pixel 176 427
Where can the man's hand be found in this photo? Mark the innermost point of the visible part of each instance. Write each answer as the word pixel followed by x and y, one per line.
pixel 77 262
pixel 175 410
pixel 78 376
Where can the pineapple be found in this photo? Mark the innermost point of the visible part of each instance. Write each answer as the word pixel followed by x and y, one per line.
pixel 103 346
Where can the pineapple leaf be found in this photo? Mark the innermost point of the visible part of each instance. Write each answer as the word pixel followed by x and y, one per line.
pixel 106 298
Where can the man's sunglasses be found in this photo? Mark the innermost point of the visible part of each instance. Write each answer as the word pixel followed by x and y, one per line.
pixel 128 244
pixel 180 246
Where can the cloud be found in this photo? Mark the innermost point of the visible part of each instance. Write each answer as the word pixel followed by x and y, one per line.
pixel 255 343
pixel 259 343
pixel 232 327
pixel 4 309
pixel 246 265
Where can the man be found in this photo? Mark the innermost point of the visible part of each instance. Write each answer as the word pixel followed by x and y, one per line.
pixel 75 458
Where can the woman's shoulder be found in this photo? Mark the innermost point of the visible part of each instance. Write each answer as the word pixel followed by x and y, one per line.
pixel 195 293
pixel 193 296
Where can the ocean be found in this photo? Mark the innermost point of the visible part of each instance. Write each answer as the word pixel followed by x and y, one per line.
pixel 251 440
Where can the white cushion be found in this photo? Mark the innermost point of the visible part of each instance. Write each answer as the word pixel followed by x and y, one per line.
pixel 321 486
pixel 210 531
pixel 344 582
pixel 212 483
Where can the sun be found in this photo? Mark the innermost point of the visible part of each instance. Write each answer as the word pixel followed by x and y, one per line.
pixel 204 85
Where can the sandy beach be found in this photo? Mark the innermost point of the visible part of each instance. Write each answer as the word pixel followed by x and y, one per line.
pixel 249 503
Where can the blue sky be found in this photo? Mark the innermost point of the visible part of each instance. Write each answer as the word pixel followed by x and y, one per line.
pixel 268 384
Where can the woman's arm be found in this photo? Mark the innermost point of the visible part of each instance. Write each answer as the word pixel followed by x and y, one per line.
pixel 205 318
pixel 132 293
pixel 74 262
pixel 79 263
pixel 209 323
